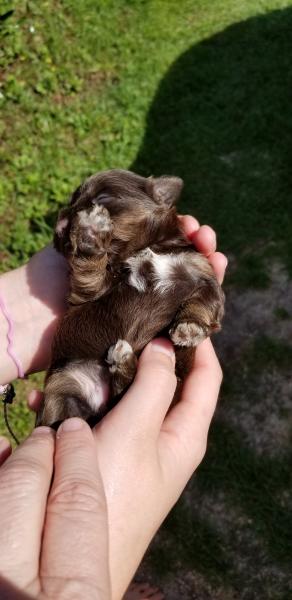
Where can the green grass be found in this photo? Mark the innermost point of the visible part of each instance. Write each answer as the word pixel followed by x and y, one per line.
pixel 20 418
pixel 198 89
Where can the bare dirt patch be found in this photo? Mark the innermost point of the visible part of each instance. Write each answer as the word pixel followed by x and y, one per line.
pixel 261 408
pixel 253 312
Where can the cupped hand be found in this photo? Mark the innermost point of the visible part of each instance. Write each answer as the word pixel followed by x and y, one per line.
pixel 53 517
pixel 147 453
pixel 204 240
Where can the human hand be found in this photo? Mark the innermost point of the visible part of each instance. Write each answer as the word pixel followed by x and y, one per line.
pixel 138 437
pixel 34 295
pixel 204 239
pixel 147 454
pixel 163 454
pixel 53 535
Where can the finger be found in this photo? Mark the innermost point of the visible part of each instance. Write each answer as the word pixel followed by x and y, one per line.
pixel 11 592
pixel 149 397
pixel 5 450
pixel 205 240
pixel 219 263
pixel 75 546
pixel 190 224
pixel 34 400
pixel 24 482
pixel 185 428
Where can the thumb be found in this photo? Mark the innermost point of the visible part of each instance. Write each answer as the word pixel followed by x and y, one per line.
pixel 76 520
pixel 150 395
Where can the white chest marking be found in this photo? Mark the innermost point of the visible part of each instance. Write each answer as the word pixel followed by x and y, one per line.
pixel 162 265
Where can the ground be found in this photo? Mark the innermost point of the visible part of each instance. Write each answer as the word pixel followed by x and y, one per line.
pixel 229 535
pixel 201 90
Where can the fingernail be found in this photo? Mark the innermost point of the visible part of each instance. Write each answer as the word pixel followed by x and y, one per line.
pixel 73 424
pixel 42 430
pixel 163 346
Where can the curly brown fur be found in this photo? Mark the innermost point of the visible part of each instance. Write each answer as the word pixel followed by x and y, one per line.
pixel 133 275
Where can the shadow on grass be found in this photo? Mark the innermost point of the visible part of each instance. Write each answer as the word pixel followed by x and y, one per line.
pixel 222 120
pixel 248 548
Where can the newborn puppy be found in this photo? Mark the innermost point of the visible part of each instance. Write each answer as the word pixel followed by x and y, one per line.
pixel 133 276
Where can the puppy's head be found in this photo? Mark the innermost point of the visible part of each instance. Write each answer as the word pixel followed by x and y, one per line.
pixel 142 210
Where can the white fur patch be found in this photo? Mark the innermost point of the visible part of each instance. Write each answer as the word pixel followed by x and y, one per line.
pixel 98 218
pixel 93 387
pixel 136 280
pixel 163 265
pixel 61 225
pixel 117 354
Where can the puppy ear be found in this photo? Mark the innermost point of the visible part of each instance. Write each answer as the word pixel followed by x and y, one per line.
pixel 76 195
pixel 165 189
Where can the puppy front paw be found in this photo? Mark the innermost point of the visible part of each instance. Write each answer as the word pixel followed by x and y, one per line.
pixel 188 334
pixel 92 231
pixel 119 355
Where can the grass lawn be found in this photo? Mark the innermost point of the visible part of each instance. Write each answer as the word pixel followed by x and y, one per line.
pixel 201 89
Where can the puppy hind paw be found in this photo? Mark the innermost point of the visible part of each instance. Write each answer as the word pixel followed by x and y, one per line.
pixel 119 354
pixel 187 334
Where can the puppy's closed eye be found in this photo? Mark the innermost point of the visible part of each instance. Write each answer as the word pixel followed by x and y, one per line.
pixel 102 198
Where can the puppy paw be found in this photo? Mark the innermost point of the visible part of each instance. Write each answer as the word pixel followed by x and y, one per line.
pixel 118 355
pixel 93 230
pixel 187 334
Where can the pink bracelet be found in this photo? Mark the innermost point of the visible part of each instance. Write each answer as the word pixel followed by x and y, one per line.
pixel 10 335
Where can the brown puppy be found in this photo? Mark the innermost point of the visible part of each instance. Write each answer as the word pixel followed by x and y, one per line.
pixel 133 275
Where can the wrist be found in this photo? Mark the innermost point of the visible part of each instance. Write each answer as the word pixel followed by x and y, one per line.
pixel 16 302
pixel 34 295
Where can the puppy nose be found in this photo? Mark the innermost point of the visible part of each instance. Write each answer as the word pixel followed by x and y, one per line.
pixel 89 237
